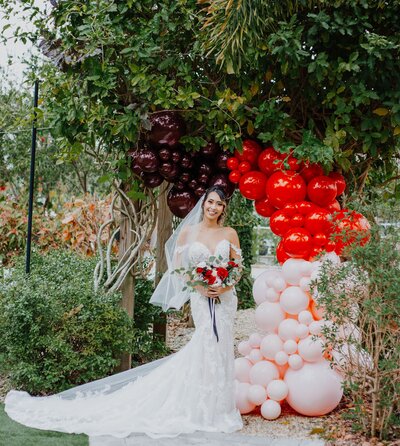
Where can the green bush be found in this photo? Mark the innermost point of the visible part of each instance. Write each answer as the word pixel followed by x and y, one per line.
pixel 55 331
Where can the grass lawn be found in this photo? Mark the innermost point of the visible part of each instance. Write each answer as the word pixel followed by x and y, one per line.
pixel 14 434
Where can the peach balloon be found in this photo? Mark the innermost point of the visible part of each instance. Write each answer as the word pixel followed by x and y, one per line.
pixel 310 349
pixel 277 390
pixel 315 389
pixel 305 317
pixel 294 299
pixel 271 295
pixel 271 410
pixel 290 346
pixel 257 394
pixel 268 316
pixel 281 358
pixel 287 329
pixel 244 348
pixel 242 369
pixel 279 284
pixel 295 362
pixel 302 331
pixel 255 340
pixel 292 270
pixel 263 373
pixel 241 399
pixel 255 355
pixel 270 345
pixel 315 327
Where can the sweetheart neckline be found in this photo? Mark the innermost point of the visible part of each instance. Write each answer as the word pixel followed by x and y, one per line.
pixel 216 246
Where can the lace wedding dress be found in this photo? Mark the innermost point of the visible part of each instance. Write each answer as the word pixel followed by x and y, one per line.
pixel 191 390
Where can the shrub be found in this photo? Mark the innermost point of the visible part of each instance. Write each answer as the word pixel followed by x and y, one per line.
pixel 362 297
pixel 55 331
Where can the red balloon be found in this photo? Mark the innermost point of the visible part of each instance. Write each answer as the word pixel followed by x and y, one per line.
pixel 232 163
pixel 244 167
pixel 320 239
pixel 252 185
pixel 297 243
pixel 333 207
pixel 294 163
pixel 285 187
pixel 340 182
pixel 350 227
pixel 297 221
pixel 281 255
pixel 268 161
pixel 250 152
pixel 280 222
pixel 264 207
pixel 322 190
pixel 318 221
pixel 305 207
pixel 310 171
pixel 234 176
pixel 314 253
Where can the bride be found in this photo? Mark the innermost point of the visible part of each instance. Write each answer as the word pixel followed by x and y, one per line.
pixel 191 390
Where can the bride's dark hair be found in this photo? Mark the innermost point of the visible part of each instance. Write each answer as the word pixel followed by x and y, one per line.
pixel 221 195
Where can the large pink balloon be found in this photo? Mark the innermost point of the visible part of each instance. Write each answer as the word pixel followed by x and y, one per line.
pixel 294 300
pixel 271 345
pixel 315 389
pixel 242 369
pixel 263 373
pixel 257 394
pixel 242 401
pixel 269 315
pixel 310 349
pixel 288 329
pixel 293 270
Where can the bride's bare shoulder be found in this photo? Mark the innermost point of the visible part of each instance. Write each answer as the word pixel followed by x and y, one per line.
pixel 231 234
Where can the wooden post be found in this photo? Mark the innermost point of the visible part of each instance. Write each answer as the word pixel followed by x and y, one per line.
pixel 164 231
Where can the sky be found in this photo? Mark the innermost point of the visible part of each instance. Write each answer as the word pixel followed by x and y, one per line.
pixel 16 49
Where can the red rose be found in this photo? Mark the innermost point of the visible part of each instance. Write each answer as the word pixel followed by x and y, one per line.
pixel 222 273
pixel 208 273
pixel 199 270
pixel 232 264
pixel 211 280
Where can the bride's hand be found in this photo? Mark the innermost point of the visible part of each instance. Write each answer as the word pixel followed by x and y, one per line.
pixel 215 292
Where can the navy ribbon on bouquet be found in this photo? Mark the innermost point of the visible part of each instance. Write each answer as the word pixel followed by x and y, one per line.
pixel 211 306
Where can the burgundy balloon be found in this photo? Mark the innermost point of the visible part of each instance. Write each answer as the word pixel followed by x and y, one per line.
pixel 204 169
pixel 200 191
pixel 203 179
pixel 222 180
pixel 136 169
pixel 152 180
pixel 193 184
pixel 222 158
pixel 185 177
pixel 148 161
pixel 164 154
pixel 210 150
pixel 179 185
pixel 181 202
pixel 186 161
pixel 167 127
pixel 169 170
pixel 176 156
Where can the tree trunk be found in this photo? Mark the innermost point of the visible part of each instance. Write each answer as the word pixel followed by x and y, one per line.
pixel 128 286
pixel 164 231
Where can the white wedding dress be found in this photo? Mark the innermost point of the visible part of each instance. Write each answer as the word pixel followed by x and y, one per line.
pixel 191 390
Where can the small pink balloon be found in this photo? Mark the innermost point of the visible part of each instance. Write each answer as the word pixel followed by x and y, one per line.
pixel 294 300
pixel 270 345
pixel 242 369
pixel 302 331
pixel 295 362
pixel 315 328
pixel 255 355
pixel 279 284
pixel 310 349
pixel 292 270
pixel 244 348
pixel 255 340
pixel 271 295
pixel 268 316
pixel 308 398
pixel 277 390
pixel 287 329
pixel 281 358
pixel 305 283
pixel 305 317
pixel 241 399
pixel 263 373
pixel 271 410
pixel 257 394
pixel 290 346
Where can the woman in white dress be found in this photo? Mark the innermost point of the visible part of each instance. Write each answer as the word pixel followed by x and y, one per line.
pixel 191 390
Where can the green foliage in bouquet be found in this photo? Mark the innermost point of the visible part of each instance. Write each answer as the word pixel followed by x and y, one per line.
pixel 362 296
pixel 55 331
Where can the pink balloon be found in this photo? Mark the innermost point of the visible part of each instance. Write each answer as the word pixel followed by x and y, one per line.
pixel 290 346
pixel 255 340
pixel 292 270
pixel 259 289
pixel 263 373
pixel 302 331
pixel 304 283
pixel 308 398
pixel 305 317
pixel 295 362
pixel 244 348
pixel 279 284
pixel 271 345
pixel 277 390
pixel 287 329
pixel 255 355
pixel 271 295
pixel 242 369
pixel 281 358
pixel 310 349
pixel 257 394
pixel 268 316
pixel 294 299
pixel 271 410
pixel 241 399
pixel 282 370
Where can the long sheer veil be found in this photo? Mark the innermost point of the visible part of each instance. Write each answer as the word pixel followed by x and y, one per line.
pixel 168 294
